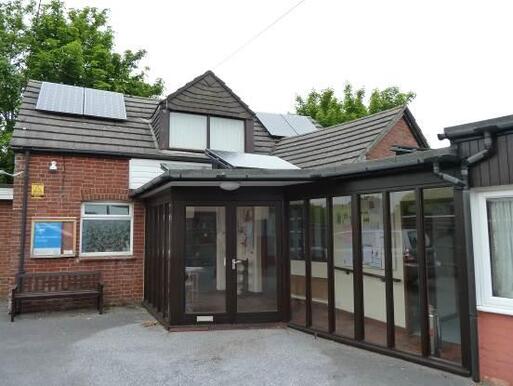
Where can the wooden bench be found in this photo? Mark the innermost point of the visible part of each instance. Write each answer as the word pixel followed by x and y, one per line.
pixel 56 285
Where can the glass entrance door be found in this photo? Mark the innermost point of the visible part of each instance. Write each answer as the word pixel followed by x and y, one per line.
pixel 255 266
pixel 205 262
pixel 231 263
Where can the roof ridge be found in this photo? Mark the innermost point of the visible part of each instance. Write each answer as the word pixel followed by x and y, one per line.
pixel 339 125
pixel 221 82
pixel 327 130
pixel 398 108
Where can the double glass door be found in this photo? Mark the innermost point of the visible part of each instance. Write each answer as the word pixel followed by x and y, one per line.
pixel 232 259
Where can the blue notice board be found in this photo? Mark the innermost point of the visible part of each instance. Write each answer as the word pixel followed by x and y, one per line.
pixel 47 238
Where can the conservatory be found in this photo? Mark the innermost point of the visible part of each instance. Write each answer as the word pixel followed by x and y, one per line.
pixel 369 254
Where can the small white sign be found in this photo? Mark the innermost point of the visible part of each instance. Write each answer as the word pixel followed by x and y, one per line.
pixel 205 318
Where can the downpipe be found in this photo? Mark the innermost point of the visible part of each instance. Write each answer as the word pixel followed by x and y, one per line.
pixel 23 225
pixel 463 183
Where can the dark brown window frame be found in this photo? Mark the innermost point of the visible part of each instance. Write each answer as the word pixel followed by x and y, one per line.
pixel 359 332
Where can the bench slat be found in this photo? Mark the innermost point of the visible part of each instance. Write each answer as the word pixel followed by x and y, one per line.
pixel 48 285
pixel 59 281
pixel 41 295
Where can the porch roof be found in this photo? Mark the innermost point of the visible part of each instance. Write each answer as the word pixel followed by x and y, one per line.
pixel 266 177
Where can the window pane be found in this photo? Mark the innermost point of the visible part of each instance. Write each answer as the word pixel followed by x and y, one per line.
pixel 96 209
pixel 205 256
pixel 442 274
pixel 297 264
pixel 343 264
pixel 318 254
pixel 105 235
pixel 500 229
pixel 296 231
pixel 227 134
pixel 187 131
pixel 405 271
pixel 119 210
pixel 373 249
pixel 257 268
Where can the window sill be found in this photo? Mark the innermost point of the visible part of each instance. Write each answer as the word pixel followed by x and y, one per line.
pixel 106 258
pixel 496 310
pixel 36 257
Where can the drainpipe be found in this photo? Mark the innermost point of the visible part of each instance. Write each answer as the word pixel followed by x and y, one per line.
pixel 446 177
pixel 472 303
pixel 489 147
pixel 489 141
pixel 23 226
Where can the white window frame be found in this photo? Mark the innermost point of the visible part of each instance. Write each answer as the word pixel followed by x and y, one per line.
pixel 484 294
pixel 242 128
pixel 208 131
pixel 107 217
pixel 203 117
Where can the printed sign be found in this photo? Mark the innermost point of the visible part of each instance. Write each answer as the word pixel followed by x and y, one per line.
pixel 47 238
pixel 38 190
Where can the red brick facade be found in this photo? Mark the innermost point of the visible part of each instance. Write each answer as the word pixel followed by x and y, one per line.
pixel 79 179
pixel 496 348
pixel 400 134
pixel 5 234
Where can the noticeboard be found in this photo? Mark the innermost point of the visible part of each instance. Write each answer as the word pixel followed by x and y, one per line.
pixel 53 237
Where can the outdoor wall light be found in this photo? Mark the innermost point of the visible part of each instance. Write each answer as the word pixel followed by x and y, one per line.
pixel 53 167
pixel 229 185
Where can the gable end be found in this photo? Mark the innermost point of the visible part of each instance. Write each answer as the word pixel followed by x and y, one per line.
pixel 400 133
pixel 207 94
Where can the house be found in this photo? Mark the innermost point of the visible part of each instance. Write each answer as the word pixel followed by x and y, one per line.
pixel 210 213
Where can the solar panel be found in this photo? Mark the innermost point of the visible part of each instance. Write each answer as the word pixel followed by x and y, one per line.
pixel 286 125
pixel 104 104
pixel 249 160
pixel 61 98
pixel 276 125
pixel 300 123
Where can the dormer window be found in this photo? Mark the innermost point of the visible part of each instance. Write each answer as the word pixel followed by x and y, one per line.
pixel 199 132
pixel 187 131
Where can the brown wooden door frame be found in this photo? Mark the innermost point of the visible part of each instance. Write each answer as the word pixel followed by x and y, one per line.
pixel 231 315
pixel 255 317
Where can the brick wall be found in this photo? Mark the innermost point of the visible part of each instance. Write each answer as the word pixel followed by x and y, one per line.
pixel 400 134
pixel 5 233
pixel 496 348
pixel 79 179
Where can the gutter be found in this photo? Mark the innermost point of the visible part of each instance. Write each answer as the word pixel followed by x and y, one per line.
pixel 23 226
pixel 299 175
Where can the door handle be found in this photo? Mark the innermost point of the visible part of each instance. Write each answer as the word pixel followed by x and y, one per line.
pixel 235 262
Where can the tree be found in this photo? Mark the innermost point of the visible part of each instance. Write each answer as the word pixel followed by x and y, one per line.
pixel 323 106
pixel 352 104
pixel 74 46
pixel 328 110
pixel 388 98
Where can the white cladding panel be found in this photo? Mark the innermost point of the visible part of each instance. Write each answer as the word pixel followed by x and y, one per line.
pixel 142 171
pixel 6 193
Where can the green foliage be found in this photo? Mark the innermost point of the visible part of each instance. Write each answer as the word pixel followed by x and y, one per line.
pixel 329 110
pixel 74 46
pixel 388 98
pixel 322 106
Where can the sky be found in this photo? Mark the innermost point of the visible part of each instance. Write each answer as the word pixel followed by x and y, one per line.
pixel 457 56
